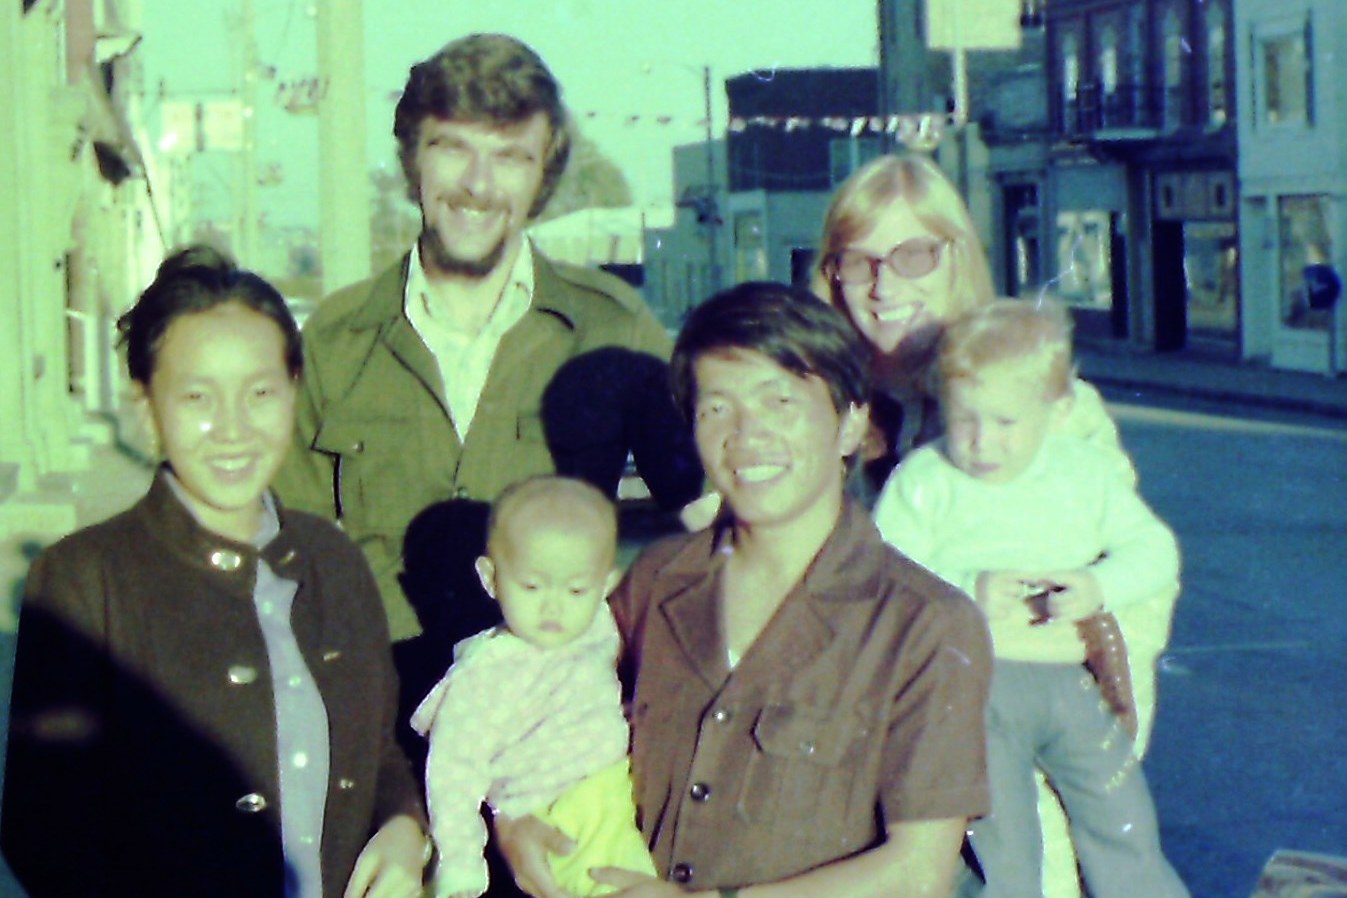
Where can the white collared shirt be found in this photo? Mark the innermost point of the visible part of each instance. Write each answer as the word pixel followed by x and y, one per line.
pixel 464 361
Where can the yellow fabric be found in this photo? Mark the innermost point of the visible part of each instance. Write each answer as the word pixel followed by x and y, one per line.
pixel 600 815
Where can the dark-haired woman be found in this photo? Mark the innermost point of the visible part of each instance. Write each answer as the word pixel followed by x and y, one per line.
pixel 203 694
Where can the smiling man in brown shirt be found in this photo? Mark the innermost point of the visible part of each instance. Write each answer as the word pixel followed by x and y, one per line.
pixel 808 704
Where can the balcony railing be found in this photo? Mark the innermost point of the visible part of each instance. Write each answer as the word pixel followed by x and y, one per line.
pixel 1127 107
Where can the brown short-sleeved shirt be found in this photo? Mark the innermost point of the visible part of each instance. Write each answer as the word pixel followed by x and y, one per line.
pixel 860 704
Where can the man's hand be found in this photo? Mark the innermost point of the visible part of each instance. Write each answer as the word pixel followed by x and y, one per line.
pixel 525 842
pixel 700 513
pixel 391 863
pixel 1078 597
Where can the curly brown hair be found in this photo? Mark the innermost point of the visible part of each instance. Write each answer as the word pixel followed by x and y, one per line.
pixel 488 78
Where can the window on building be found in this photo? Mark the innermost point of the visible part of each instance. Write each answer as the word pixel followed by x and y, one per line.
pixel 1172 45
pixel 1023 238
pixel 1084 259
pixel 1108 74
pixel 845 156
pixel 1309 281
pixel 1217 96
pixel 1284 77
pixel 750 247
pixel 1070 81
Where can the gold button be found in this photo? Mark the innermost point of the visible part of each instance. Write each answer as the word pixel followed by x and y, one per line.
pixel 331 655
pixel 226 560
pixel 345 784
pixel 242 674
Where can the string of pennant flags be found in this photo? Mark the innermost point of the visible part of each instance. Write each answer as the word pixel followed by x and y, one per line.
pixel 920 128
pixel 909 128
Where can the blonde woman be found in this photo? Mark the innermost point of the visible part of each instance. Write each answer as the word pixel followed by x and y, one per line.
pixel 901 257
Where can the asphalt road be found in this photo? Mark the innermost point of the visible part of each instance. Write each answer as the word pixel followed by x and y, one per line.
pixel 1248 750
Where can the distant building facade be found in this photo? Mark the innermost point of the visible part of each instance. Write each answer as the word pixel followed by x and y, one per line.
pixel 79 236
pixel 792 136
pixel 1293 181
pixel 1101 161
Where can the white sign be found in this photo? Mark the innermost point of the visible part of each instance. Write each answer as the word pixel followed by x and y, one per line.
pixel 973 24
pixel 222 125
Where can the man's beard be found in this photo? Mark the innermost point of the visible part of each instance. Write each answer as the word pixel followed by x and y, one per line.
pixel 442 258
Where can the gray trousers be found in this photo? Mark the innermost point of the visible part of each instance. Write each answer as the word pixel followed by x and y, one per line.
pixel 1051 716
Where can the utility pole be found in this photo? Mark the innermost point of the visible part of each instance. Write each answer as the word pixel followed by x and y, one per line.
pixel 343 179
pixel 712 207
pixel 246 250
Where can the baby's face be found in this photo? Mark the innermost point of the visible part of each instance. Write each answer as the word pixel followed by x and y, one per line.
pixel 995 424
pixel 549 581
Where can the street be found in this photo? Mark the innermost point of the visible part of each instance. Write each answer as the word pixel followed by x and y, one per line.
pixel 1248 750
pixel 1247 754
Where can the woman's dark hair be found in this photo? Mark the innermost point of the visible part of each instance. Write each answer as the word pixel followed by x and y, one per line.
pixel 486 78
pixel 789 325
pixel 195 279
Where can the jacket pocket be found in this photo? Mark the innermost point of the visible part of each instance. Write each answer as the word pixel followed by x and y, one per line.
pixel 803 763
pixel 377 488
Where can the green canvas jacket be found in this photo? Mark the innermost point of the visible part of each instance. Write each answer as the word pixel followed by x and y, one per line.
pixel 375 445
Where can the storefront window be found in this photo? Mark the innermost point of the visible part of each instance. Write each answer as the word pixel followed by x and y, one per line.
pixel 1309 281
pixel 750 249
pixel 1084 260
pixel 1211 276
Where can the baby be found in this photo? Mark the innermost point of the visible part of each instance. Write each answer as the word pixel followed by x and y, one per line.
pixel 1036 527
pixel 529 716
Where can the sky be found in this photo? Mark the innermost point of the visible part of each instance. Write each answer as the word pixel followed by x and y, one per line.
pixel 615 59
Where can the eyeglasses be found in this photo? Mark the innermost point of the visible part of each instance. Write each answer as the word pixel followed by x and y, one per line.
pixel 913 258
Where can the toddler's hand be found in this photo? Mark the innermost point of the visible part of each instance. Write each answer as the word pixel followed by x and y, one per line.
pixel 1078 596
pixel 1001 594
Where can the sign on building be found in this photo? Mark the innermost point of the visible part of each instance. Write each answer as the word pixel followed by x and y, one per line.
pixel 194 126
pixel 973 24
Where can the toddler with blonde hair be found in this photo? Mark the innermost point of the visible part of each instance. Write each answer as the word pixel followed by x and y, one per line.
pixel 1037 528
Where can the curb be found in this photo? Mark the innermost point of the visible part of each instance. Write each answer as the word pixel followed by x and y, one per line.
pixel 1299 404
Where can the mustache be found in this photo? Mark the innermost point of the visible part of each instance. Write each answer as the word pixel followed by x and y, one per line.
pixel 464 200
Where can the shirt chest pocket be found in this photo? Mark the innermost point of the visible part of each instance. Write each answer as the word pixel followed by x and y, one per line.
pixel 803 764
pixel 375 469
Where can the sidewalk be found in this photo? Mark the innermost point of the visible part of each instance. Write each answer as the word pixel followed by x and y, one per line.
pixel 1197 375
pixel 115 479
